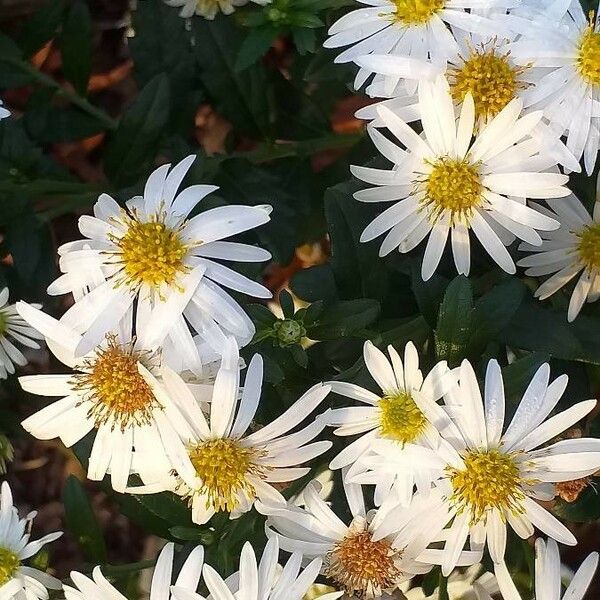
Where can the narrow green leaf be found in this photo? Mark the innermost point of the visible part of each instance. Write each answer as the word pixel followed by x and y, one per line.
pixel 82 523
pixel 455 319
pixel 344 318
pixel 41 27
pixel 135 142
pixel 255 46
pixel 287 304
pixel 76 46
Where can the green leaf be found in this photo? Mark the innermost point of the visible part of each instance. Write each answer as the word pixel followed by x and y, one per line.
pixel 241 98
pixel 263 318
pixel 76 46
pixel 82 523
pixel 536 328
pixel 494 311
pixel 358 270
pixel 305 40
pixel 454 324
pixel 41 27
pixel 344 318
pixel 8 50
pixel 255 46
pixel 314 283
pixel 287 304
pixel 135 142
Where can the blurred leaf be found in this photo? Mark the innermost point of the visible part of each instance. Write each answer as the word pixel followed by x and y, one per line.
pixel 494 311
pixel 41 27
pixel 82 522
pixel 255 46
pixel 76 46
pixel 135 143
pixel 8 49
pixel 539 329
pixel 344 318
pixel 429 294
pixel 455 319
pixel 241 97
pixel 314 283
pixel 358 270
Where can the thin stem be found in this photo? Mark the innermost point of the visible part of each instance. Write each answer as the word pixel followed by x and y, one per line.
pixel 72 97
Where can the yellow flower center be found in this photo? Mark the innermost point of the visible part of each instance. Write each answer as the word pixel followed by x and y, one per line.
pixel 589 246
pixel 401 419
pixel 115 387
pixel 362 566
pixel 416 12
pixel 150 253
pixel 223 465
pixel 9 564
pixel 490 479
pixel 588 60
pixel 490 77
pixel 453 185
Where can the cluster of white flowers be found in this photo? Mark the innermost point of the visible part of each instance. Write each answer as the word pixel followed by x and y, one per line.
pixel 153 339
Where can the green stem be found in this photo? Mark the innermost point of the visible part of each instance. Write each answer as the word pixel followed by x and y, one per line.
pixel 72 97
pixel 443 588
pixel 116 570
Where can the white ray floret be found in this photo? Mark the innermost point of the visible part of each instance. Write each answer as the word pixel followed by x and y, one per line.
pixel 359 558
pixel 393 415
pixel 222 467
pixel 443 183
pixel 260 580
pixel 209 9
pixel 548 576
pixel 564 42
pixel 98 588
pixel 14 329
pixel 570 251
pixel 412 29
pixel 153 264
pixel 490 479
pixel 119 392
pixel 4 112
pixel 18 581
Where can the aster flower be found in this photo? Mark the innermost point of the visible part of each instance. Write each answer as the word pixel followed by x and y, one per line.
pixel 489 479
pixel 4 113
pixel 114 392
pixel 548 576
pixel 17 581
pixel 562 41
pixel 446 183
pixel 357 557
pixel 470 584
pixel 393 415
pixel 572 249
pixel 209 9
pixel 223 467
pixel 421 29
pixel 151 261
pixel 98 588
pixel 260 580
pixel 13 329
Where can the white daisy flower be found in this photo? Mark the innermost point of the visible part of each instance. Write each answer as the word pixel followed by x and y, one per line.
pixel 209 9
pixel 222 467
pixel 572 249
pixel 393 414
pixel 17 581
pixel 548 575
pixel 260 580
pixel 13 329
pixel 4 113
pixel 489 479
pixel 152 264
pixel 410 29
pixel 568 48
pixel 115 392
pixel 99 588
pixel 357 557
pixel 462 585
pixel 446 183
